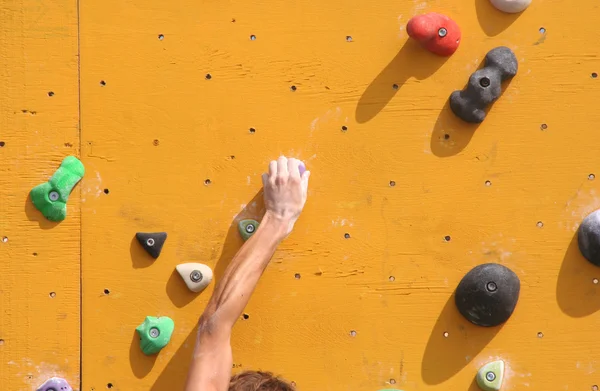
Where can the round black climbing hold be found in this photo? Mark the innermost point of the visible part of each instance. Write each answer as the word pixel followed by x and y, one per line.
pixel 588 237
pixel 488 294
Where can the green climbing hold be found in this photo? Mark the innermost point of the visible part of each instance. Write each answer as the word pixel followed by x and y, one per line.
pixel 490 376
pixel 247 228
pixel 155 333
pixel 51 197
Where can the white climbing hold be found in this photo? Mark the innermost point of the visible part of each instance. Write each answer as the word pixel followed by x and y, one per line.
pixel 197 276
pixel 511 6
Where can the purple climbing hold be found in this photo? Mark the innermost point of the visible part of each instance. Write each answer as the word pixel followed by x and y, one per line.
pixel 301 168
pixel 55 384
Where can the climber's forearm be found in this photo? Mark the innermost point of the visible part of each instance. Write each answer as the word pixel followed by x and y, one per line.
pixel 233 291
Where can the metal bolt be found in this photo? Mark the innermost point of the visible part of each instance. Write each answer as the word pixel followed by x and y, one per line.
pixel 196 276
pixel 53 195
pixel 150 242
pixel 491 286
pixel 154 332
pixel 442 32
pixel 490 376
pixel 485 82
pixel 250 228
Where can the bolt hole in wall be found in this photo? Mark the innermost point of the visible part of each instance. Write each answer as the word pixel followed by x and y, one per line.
pixel 540 335
pixel 347 236
pixel 395 86
pixel 543 126
pixel 207 182
pixel 392 183
pixel 5 239
pixel 50 93
pixel 156 142
pixel 297 276
pixel 208 76
pixel 107 292
pixel 348 38
pixel 344 128
pixel 52 295
pixel 353 333
pixel 542 30
pixel 293 88
pixel 591 177
pixel 106 191
pixel 488 183
pixel 446 334
pixel 246 316
pixel 392 381
pixel 447 238
pixel 594 75
pixel 2 143
pixel 161 37
pixel 252 130
pixel 1 342
pixel 35 254
pixel 109 385
pixel 102 83
pixel 253 37
pixel 595 281
pixel 594 388
pixel 392 278
pixel 446 136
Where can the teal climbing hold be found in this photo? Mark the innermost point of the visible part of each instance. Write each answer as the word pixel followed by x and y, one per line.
pixel 490 376
pixel 51 197
pixel 155 333
pixel 247 228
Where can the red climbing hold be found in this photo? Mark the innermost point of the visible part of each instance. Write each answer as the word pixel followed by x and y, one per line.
pixel 435 32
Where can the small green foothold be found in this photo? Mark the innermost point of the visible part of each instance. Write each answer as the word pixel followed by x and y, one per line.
pixel 155 333
pixel 51 197
pixel 490 376
pixel 247 228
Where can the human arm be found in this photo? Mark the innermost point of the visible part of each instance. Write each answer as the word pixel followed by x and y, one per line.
pixel 285 191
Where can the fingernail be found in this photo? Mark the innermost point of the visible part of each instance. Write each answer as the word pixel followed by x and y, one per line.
pixel 301 168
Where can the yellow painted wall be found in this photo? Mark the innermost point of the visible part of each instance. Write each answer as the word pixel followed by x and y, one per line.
pixel 154 129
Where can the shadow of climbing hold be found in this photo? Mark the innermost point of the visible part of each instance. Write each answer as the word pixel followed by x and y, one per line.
pixel 490 376
pixel 247 228
pixel 485 85
pixel 588 237
pixel 55 384
pixel 51 197
pixel 155 333
pixel 435 32
pixel 196 275
pixel 488 294
pixel 152 242
pixel 511 6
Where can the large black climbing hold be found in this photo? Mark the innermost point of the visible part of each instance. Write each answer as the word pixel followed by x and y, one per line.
pixel 484 85
pixel 488 294
pixel 588 237
pixel 152 242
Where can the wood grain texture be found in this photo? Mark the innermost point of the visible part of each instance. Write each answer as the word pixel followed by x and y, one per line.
pixel 38 57
pixel 158 129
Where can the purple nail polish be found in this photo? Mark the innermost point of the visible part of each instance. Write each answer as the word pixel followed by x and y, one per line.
pixel 55 384
pixel 301 168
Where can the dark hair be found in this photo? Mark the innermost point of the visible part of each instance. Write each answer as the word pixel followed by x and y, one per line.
pixel 258 381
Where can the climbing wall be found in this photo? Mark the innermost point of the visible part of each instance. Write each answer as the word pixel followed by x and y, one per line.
pixel 182 105
pixel 39 260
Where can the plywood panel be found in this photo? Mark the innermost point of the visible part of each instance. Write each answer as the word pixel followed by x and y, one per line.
pixel 39 266
pixel 156 129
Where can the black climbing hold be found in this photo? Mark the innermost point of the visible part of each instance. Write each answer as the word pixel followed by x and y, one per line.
pixel 152 242
pixel 488 294
pixel 588 237
pixel 484 85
